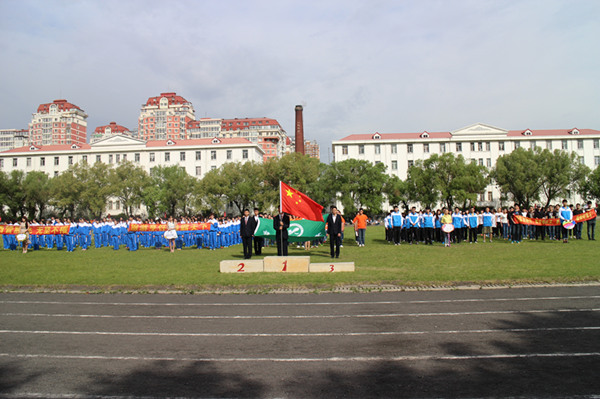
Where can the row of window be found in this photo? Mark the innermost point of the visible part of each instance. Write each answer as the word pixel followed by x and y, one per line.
pixel 117 158
pixel 475 146
pixel 488 162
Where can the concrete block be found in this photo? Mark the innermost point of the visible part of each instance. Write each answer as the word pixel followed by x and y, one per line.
pixel 331 267
pixel 287 264
pixel 242 266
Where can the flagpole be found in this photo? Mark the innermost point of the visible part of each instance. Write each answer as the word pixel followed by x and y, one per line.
pixel 280 244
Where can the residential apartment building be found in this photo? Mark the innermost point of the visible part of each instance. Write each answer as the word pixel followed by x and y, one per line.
pixel 165 117
pixel 312 149
pixel 112 129
pixel 478 143
pixel 11 138
pixel 58 122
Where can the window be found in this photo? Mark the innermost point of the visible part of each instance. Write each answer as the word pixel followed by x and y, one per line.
pixel 458 147
pixel 549 144
pixel 182 156
pixel 118 158
pixel 198 155
pixel 480 161
pixel 28 161
pixel 55 173
pixel 442 147
pixel 98 158
pixel 481 197
pixel 136 157
pixel 501 146
pixel 580 144
pixel 110 205
pixel 245 154
pixel 117 205
pixel 361 149
pixel 198 170
pixel 377 149
pixel 426 147
pixel 84 158
pixel 124 157
pixel 70 160
pixel 565 144
pixel 487 146
pixel 489 162
pixel 56 161
pixel 1 163
pixel 532 144
pixel 229 154
pixel 410 163
pixel 596 143
pixel 490 196
pixel 409 148
pixel 394 148
pixel 152 157
pixel 472 146
pixel 395 164
pixel 596 160
pixel 582 160
pixel 213 167
pixel 167 157
pixel 480 146
pixel 517 145
pixel 344 150
pixel 213 155
pixel 15 162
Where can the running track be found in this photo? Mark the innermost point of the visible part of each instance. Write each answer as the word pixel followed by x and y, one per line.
pixel 520 342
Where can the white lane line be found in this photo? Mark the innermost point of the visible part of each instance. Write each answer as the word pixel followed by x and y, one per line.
pixel 317 334
pixel 338 316
pixel 550 298
pixel 306 359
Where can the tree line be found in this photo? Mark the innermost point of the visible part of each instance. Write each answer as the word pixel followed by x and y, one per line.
pixel 523 176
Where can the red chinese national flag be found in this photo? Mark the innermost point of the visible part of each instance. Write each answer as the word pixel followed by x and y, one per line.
pixel 299 204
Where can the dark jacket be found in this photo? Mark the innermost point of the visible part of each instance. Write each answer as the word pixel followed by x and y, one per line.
pixel 247 229
pixel 334 228
pixel 286 224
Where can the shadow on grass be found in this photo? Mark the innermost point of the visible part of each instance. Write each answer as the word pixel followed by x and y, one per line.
pixel 553 375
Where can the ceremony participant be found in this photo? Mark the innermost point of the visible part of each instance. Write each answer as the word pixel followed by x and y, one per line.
pixel 579 225
pixel 591 224
pixel 517 235
pixel 259 242
pixel 281 223
pixel 565 215
pixel 487 223
pixel 413 225
pixel 458 222
pixel 447 219
pixel 473 223
pixel 24 231
pixel 428 225
pixel 389 232
pixel 396 225
pixel 247 227
pixel 335 228
pixel 360 225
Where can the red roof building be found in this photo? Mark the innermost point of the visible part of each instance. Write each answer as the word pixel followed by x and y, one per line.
pixel 102 132
pixel 165 117
pixel 58 122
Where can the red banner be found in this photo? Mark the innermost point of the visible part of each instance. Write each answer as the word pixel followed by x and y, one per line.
pixel 582 217
pixel 163 227
pixel 36 230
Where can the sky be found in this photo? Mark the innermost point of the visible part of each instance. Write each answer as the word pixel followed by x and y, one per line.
pixel 356 66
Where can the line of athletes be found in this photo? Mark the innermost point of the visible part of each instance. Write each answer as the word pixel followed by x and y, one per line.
pixel 112 232
pixel 426 226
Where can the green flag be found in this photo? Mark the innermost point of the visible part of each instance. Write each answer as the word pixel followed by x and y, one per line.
pixel 299 230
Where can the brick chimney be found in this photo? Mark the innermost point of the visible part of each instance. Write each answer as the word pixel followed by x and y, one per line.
pixel 299 130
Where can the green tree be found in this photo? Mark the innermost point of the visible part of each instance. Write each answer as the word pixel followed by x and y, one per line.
pixel 66 190
pixel 590 188
pixel 14 194
pixel 169 191
pixel 36 191
pixel 561 172
pixel 519 174
pixel 396 191
pixel 127 182
pixel 422 184
pixel 96 189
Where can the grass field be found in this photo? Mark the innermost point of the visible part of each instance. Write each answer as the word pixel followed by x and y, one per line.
pixel 378 263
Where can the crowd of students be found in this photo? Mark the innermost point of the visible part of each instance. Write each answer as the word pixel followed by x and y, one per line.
pixel 425 226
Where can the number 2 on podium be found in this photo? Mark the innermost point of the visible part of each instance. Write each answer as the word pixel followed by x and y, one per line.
pixel 241 267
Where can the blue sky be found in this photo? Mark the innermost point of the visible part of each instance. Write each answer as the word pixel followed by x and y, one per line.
pixel 356 66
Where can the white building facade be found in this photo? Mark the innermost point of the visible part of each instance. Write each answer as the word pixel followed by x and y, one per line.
pixel 480 143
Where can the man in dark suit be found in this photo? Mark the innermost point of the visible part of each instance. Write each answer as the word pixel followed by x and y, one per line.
pixel 281 222
pixel 335 227
pixel 247 227
pixel 258 241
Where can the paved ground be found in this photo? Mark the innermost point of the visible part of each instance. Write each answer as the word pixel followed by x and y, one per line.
pixel 526 342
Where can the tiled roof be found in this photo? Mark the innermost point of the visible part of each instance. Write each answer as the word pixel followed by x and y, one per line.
pixel 63 105
pixel 172 97
pixel 50 148
pixel 196 142
pixel 114 128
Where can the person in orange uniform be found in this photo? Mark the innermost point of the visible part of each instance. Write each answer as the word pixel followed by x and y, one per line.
pixel 360 226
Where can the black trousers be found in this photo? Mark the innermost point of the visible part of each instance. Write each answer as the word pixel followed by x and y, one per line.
pixel 396 235
pixel 473 234
pixel 258 244
pixel 282 246
pixel 428 234
pixel 247 243
pixel 335 241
